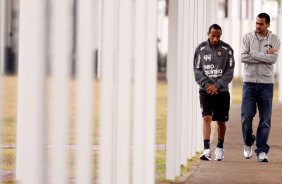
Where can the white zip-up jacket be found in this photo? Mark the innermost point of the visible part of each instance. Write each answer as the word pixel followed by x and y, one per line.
pixel 258 65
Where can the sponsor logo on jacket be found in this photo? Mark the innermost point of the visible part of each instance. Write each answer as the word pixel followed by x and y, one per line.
pixel 210 71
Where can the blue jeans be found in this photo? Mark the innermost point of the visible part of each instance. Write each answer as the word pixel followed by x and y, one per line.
pixel 257 96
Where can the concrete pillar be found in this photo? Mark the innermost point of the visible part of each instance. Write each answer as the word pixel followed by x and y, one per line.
pixel 5 31
pixel 184 83
pixel 107 98
pixel 191 81
pixel 179 87
pixel 31 127
pixel 3 34
pixel 85 66
pixel 172 59
pixel 279 60
pixel 144 90
pixel 60 54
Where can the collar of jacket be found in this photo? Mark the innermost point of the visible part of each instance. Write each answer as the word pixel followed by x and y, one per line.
pixel 217 45
pixel 265 37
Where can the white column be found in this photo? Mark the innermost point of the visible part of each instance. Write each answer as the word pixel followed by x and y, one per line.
pixel 202 36
pixel 8 21
pixel 85 76
pixel 212 11
pixel 139 82
pixel 197 118
pixel 216 9
pixel 107 92
pixel 279 58
pixel 208 12
pixel 31 162
pixel 5 24
pixel 191 80
pixel 60 45
pixel 205 30
pixel 123 95
pixel 179 67
pixel 3 34
pixel 194 99
pixel 171 80
pixel 98 13
pixel 185 81
pixel 2 89
pixel 151 83
pixel 150 92
pixel 205 9
pixel 145 47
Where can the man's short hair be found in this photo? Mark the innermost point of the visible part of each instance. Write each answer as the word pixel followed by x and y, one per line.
pixel 265 16
pixel 214 26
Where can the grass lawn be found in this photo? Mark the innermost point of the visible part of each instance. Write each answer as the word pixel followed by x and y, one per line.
pixel 8 121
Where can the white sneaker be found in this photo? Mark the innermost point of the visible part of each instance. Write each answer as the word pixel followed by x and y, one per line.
pixel 219 154
pixel 206 155
pixel 262 157
pixel 248 153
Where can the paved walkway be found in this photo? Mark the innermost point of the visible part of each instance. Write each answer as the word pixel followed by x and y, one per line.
pixel 235 169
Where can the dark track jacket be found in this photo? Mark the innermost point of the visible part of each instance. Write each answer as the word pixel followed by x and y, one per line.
pixel 214 65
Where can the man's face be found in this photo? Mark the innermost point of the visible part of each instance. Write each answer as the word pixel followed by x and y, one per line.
pixel 261 26
pixel 214 36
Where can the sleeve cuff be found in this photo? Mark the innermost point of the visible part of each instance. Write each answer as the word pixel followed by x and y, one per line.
pixel 217 85
pixel 206 85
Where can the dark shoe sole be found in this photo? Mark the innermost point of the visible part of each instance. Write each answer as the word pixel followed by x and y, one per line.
pixel 264 160
pixel 205 158
pixel 248 157
pixel 219 159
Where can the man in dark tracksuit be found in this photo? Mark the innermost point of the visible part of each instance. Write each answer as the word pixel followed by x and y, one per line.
pixel 213 69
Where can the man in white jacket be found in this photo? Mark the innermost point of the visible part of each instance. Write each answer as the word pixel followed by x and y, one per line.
pixel 259 53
